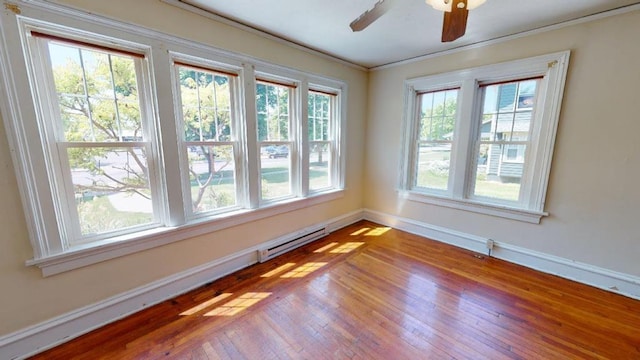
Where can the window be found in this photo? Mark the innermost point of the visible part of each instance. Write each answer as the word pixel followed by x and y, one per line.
pixel 209 137
pixel 275 140
pixel 504 137
pixel 481 139
pixel 119 151
pixel 321 122
pixel 98 133
pixel 436 127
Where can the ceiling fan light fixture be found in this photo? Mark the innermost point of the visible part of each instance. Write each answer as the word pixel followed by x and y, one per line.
pixel 445 5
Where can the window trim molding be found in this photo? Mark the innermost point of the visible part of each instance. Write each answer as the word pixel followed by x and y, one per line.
pixel 484 208
pixel 554 69
pixel 37 196
pixel 235 74
pixel 86 255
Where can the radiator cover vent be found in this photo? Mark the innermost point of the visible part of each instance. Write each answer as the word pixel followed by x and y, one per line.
pixel 289 243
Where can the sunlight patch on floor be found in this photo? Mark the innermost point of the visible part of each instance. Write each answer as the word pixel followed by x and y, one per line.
pixel 377 231
pixel 346 247
pixel 205 304
pixel 304 270
pixel 278 270
pixel 326 247
pixel 363 230
pixel 237 305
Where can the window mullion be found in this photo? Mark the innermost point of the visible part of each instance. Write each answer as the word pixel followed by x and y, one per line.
pixel 407 173
pixel 252 177
pixel 170 150
pixel 463 145
pixel 303 136
pixel 152 142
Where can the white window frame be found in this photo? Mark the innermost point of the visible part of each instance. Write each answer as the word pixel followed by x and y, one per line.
pixel 56 146
pixel 22 110
pixel 333 139
pixel 272 77
pixel 238 132
pixel 415 129
pixel 530 208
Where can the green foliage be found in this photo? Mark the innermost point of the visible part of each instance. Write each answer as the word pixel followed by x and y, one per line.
pixel 275 182
pixel 206 114
pixel 98 216
pixel 272 105
pixel 319 115
pixel 98 101
pixel 438 123
pixel 208 183
pixel 206 106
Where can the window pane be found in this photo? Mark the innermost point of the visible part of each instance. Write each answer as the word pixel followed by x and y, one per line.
pixel 504 135
pixel 319 155
pixel 130 120
pixel 212 177
pixel 438 115
pixel 433 166
pixel 124 76
pixel 275 171
pixel 104 122
pixel 68 74
pixel 272 105
pixel 97 94
pixel 206 105
pixel 111 188
pixel 319 115
pixel 74 114
pixel 437 119
pixel 496 178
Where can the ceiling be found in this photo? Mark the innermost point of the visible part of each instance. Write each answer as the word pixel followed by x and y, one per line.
pixel 410 29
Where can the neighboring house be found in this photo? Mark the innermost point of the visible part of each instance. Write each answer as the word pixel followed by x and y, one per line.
pixel 505 130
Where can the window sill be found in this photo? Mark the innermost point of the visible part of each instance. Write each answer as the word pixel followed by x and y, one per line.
pixel 529 216
pixel 84 255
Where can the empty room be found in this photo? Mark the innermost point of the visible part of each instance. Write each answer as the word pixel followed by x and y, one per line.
pixel 367 179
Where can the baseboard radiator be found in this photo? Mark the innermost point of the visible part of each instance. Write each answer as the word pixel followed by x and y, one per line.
pixel 289 244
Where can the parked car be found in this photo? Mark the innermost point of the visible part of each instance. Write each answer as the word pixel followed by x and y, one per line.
pixel 279 152
pixel 268 150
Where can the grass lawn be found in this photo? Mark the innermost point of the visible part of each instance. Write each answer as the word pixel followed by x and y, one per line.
pixel 492 189
pixel 99 215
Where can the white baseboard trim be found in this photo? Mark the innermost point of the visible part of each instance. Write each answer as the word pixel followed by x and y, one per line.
pixel 595 276
pixel 345 220
pixel 459 239
pixel 602 278
pixel 40 337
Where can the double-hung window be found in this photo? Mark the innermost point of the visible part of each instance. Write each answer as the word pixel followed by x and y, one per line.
pixel 276 140
pixel 435 129
pixel 321 148
pixel 507 114
pixel 482 139
pixel 209 138
pixel 99 137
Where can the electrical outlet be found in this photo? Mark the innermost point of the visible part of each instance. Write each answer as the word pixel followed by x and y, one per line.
pixel 490 244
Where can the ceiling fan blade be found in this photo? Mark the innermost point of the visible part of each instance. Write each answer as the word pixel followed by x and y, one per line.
pixel 371 15
pixel 455 22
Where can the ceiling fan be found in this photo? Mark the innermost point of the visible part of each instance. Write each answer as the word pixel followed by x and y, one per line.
pixel 455 15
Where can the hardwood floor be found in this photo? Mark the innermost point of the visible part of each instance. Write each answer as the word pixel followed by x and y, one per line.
pixel 369 292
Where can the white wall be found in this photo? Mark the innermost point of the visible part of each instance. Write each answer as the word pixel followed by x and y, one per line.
pixel 28 298
pixel 593 197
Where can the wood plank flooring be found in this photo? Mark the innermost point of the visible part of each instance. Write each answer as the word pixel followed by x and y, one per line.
pixel 369 292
